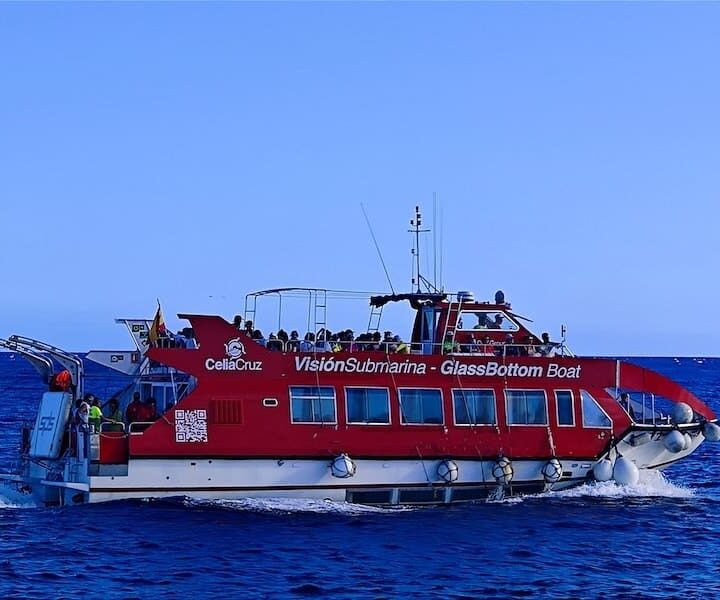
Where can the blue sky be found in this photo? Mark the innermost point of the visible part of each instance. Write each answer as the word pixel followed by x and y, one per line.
pixel 197 152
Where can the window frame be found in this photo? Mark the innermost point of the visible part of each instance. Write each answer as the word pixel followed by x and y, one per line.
pixel 367 387
pixel 473 313
pixel 572 408
pixel 582 410
pixel 494 398
pixel 290 398
pixel 415 389
pixel 507 408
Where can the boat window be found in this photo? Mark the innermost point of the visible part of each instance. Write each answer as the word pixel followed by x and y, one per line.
pixel 491 320
pixel 368 405
pixel 593 414
pixel 526 407
pixel 474 407
pixel 312 404
pixel 565 411
pixel 421 407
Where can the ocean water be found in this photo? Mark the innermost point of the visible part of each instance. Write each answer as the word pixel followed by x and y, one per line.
pixel 659 539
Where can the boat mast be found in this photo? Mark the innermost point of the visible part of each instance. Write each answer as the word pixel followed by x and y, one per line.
pixel 416 224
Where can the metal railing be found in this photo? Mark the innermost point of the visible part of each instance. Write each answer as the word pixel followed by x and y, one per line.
pixel 644 410
pixel 394 347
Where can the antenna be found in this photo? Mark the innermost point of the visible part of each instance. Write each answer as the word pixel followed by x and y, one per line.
pixel 442 287
pixel 377 247
pixel 434 231
pixel 417 223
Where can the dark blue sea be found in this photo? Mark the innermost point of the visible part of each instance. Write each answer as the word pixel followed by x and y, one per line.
pixel 659 539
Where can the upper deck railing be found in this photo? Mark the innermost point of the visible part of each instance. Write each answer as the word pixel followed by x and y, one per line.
pixel 405 348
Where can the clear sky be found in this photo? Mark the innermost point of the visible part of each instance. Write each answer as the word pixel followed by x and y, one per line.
pixel 197 152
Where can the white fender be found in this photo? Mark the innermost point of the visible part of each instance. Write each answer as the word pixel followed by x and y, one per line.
pixel 688 441
pixel 682 413
pixel 625 472
pixel 711 432
pixel 674 442
pixel 603 470
pixel 503 471
pixel 447 470
pixel 552 471
pixel 343 466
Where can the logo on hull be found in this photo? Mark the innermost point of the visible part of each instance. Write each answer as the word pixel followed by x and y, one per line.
pixel 233 361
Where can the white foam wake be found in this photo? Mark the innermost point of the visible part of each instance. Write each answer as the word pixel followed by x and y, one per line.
pixel 286 506
pixel 11 498
pixel 652 484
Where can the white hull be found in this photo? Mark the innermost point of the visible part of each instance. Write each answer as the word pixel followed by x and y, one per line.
pixel 382 482
pixel 233 479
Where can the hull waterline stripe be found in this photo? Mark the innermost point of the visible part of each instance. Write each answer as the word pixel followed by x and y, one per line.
pixel 274 488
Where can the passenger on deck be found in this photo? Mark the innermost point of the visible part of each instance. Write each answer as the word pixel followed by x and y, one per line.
pixel 258 337
pixel 487 347
pixel 473 347
pixel 308 343
pixel 532 346
pixel 322 344
pixel 345 341
pixel 134 409
pixel 624 401
pixel 482 321
pixel 547 348
pixel 400 346
pixel 114 413
pixel 95 414
pixel 148 411
pixel 361 341
pixel 237 322
pixel 293 344
pixel 511 349
pixel 249 328
pixel 274 344
pixel 335 342
pixel 388 345
pixel 283 337
pixel 450 345
pixel 115 416
pixel 180 340
pixel 82 413
pixel 524 349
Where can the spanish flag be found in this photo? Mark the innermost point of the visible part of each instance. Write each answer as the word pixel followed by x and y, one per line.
pixel 157 329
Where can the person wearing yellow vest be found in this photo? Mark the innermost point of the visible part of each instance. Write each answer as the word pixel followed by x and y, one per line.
pixel 95 416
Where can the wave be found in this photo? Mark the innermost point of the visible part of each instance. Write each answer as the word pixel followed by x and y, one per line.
pixel 289 506
pixel 11 498
pixel 652 484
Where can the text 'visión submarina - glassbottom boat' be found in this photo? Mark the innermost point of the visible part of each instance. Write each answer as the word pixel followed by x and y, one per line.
pixel 472 405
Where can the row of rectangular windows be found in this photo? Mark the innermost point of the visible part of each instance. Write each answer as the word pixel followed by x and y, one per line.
pixel 371 406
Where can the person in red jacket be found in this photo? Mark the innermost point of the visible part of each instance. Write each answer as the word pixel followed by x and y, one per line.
pixel 148 411
pixel 134 409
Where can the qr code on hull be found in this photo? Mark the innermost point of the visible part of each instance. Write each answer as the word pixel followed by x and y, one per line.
pixel 191 426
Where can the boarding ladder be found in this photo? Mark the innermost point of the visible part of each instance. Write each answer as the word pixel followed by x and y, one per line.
pixel 453 314
pixel 374 321
pixel 320 309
